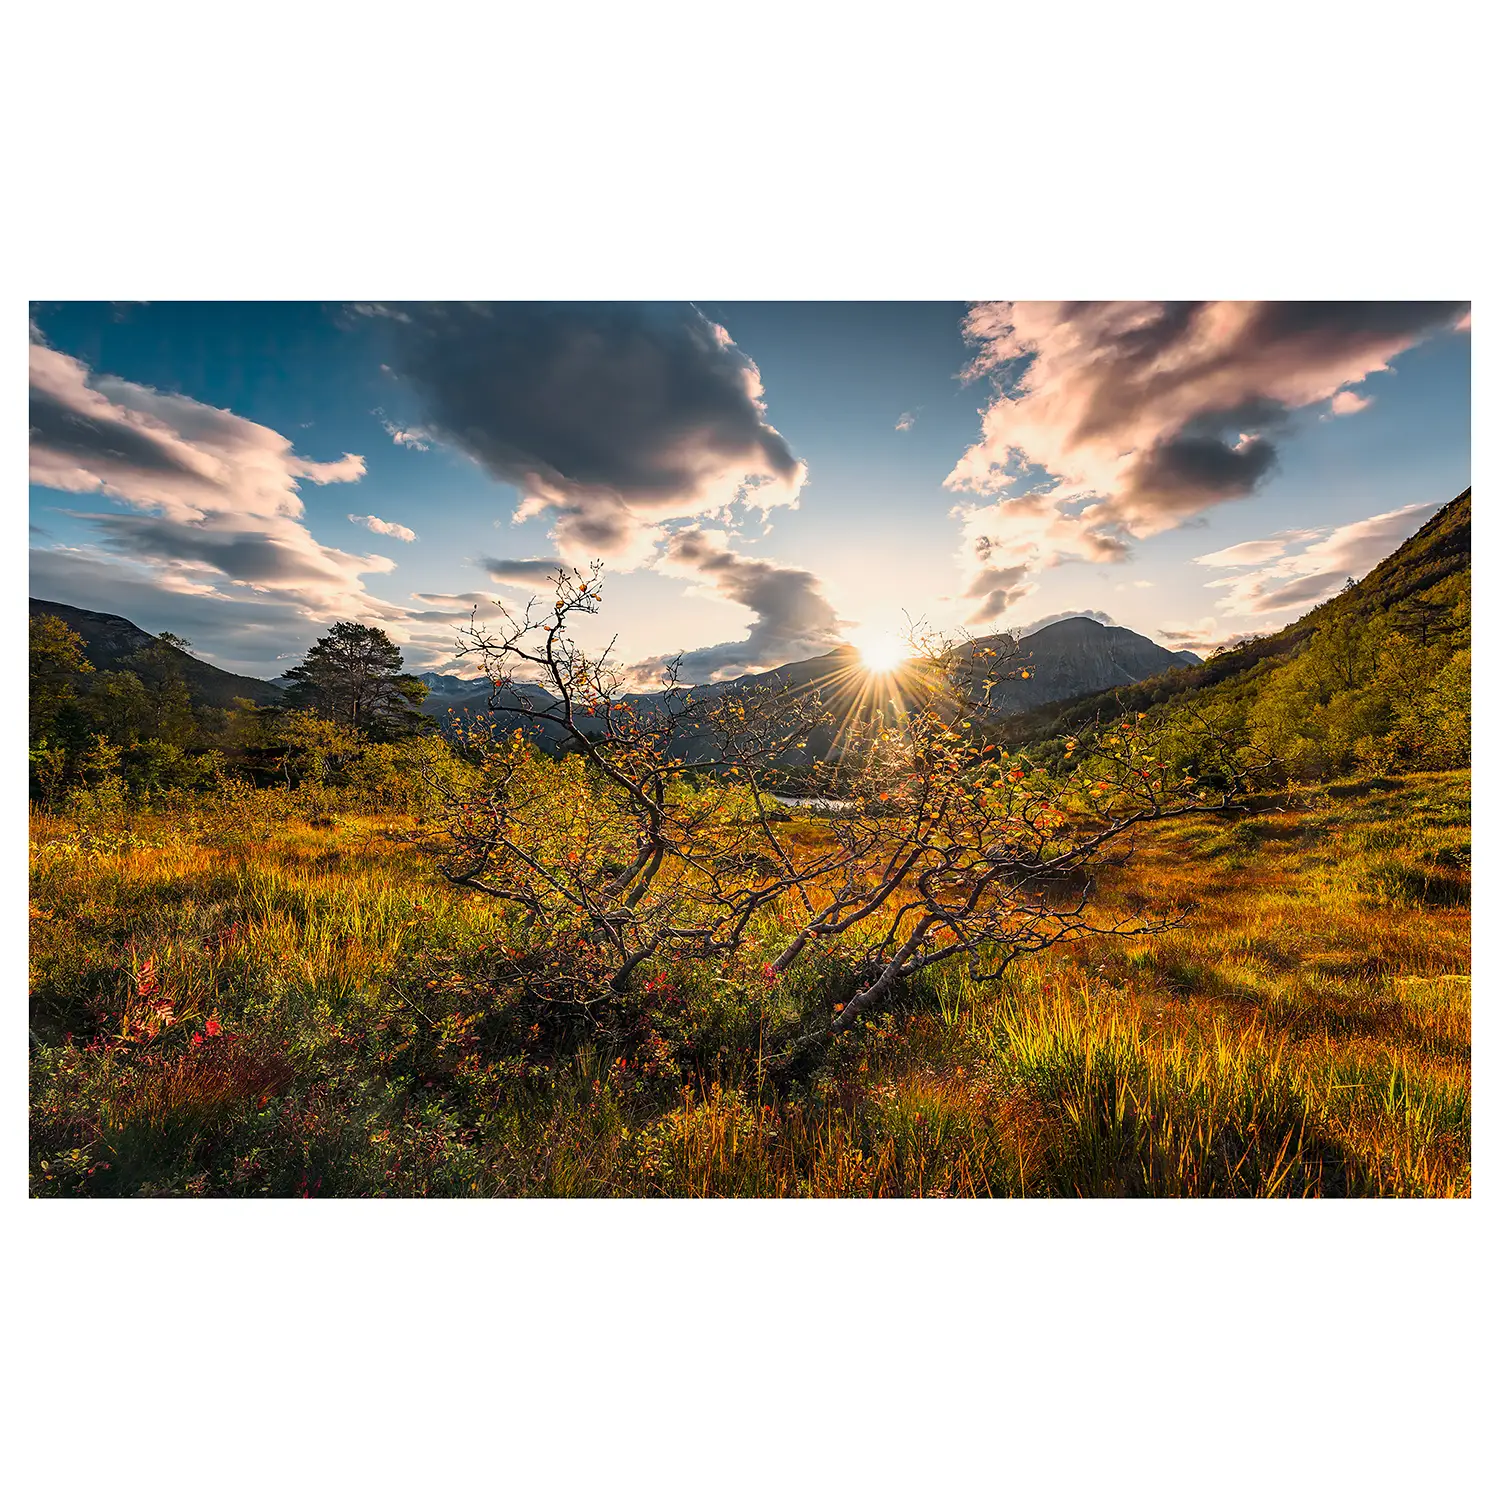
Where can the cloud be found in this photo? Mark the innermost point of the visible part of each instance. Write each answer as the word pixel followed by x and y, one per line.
pixel 524 572
pixel 1245 554
pixel 435 633
pixel 211 516
pixel 1346 403
pixel 906 421
pixel 169 453
pixel 611 419
pixel 1118 420
pixel 467 601
pixel 1067 614
pixel 385 528
pixel 406 437
pixel 997 590
pixel 255 635
pixel 1295 580
pixel 255 559
pixel 792 619
pixel 1202 637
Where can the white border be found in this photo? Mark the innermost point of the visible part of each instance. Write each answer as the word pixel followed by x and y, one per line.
pixel 782 150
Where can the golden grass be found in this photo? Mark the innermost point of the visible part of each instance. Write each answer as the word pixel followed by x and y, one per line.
pixel 1305 1032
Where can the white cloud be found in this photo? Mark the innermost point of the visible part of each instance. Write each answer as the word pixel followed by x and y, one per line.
pixel 406 437
pixel 1295 581
pixel 385 528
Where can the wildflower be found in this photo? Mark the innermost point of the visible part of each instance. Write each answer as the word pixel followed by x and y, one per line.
pixel 197 1039
pixel 212 1027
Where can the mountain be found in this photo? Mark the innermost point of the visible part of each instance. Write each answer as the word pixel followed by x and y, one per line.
pixel 1076 669
pixel 445 691
pixel 109 640
pixel 1422 588
pixel 1062 660
pixel 1070 657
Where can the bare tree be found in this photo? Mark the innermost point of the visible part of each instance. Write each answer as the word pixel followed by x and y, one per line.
pixel 653 836
pixel 656 834
pixel 960 851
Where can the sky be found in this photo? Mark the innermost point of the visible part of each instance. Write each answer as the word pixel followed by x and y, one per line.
pixel 761 481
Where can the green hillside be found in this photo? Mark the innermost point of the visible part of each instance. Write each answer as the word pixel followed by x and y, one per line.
pixel 1373 679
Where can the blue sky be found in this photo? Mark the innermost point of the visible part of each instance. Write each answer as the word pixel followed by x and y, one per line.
pixel 761 479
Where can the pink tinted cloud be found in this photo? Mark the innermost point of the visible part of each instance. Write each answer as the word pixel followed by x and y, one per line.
pixel 1246 554
pixel 1145 414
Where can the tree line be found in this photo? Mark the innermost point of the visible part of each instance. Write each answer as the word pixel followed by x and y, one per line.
pixel 137 727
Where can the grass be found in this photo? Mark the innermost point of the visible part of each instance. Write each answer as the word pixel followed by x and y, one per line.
pixel 254 1005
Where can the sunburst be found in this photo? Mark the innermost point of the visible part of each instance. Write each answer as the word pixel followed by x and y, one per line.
pixel 882 654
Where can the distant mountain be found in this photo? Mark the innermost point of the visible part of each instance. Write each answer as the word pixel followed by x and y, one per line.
pixel 108 640
pixel 1058 661
pixel 445 691
pixel 1062 660
pixel 1074 656
pixel 1068 657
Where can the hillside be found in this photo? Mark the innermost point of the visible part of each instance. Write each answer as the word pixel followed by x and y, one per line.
pixel 109 640
pixel 1420 591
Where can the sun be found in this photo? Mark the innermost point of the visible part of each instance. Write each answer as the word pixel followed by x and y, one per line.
pixel 882 653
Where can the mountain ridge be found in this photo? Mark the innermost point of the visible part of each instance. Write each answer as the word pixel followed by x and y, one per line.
pixel 109 641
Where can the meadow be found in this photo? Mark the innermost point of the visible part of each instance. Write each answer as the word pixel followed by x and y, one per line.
pixel 251 995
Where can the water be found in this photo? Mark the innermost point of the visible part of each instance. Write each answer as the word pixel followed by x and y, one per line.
pixel 817 804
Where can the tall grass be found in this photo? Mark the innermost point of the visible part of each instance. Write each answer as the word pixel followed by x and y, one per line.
pixel 256 1003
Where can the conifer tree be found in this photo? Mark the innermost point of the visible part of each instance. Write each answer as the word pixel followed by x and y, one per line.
pixel 353 676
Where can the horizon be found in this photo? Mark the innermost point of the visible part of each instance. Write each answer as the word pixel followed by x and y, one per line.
pixel 763 481
pixel 871 658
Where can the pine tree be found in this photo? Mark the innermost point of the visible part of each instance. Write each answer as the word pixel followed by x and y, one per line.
pixel 353 676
